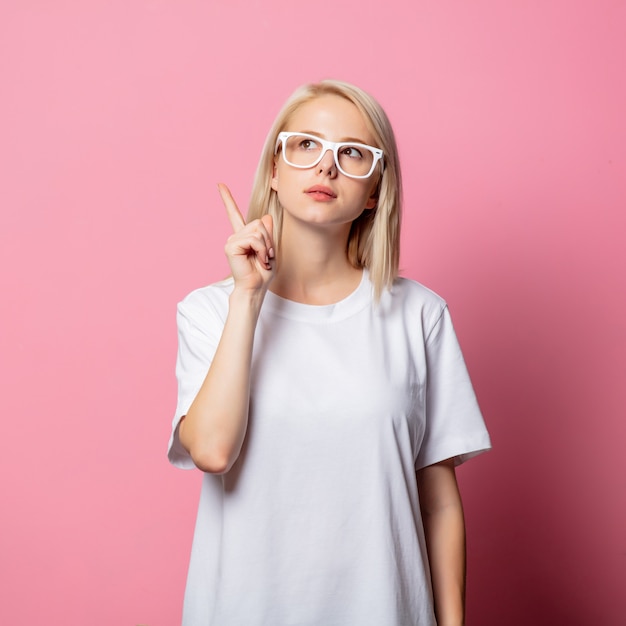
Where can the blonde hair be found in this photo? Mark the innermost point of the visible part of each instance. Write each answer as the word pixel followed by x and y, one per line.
pixel 374 240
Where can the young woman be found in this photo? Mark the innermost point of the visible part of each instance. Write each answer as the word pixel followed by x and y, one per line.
pixel 325 398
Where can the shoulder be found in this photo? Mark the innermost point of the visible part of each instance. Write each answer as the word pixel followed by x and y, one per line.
pixel 414 301
pixel 416 292
pixel 207 302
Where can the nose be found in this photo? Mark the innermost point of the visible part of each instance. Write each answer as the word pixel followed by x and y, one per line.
pixel 327 164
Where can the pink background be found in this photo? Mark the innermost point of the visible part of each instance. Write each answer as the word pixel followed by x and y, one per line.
pixel 118 118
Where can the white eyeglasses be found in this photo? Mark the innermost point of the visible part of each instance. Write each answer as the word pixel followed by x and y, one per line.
pixel 355 160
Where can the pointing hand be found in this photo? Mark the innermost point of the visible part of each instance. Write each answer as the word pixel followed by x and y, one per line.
pixel 250 249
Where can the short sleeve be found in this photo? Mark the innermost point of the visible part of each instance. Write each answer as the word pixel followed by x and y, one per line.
pixel 454 426
pixel 199 330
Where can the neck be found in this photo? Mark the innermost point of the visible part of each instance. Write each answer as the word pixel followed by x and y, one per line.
pixel 313 265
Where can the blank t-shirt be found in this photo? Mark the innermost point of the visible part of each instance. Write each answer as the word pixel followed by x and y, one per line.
pixel 318 521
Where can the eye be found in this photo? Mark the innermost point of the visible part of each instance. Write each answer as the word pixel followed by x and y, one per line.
pixel 306 143
pixel 352 152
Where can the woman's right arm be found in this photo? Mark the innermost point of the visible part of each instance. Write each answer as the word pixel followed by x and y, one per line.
pixel 215 426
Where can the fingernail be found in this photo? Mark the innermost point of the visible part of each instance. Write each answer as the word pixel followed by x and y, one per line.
pixel 271 253
pixel 267 260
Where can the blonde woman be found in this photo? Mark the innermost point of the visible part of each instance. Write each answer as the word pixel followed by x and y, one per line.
pixel 325 398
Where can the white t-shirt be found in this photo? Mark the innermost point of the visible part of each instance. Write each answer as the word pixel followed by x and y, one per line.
pixel 318 522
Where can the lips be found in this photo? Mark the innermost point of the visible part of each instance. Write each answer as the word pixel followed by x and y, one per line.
pixel 321 190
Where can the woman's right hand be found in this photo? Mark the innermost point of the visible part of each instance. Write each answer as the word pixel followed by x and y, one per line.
pixel 250 249
pixel 214 429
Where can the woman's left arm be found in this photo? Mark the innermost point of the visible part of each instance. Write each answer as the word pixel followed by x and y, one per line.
pixel 444 526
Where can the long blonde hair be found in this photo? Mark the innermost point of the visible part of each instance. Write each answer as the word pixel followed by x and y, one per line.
pixel 374 240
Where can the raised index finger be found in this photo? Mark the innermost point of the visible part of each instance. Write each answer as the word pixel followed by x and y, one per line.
pixel 234 214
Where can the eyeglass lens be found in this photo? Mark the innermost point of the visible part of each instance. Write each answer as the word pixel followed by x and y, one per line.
pixel 303 151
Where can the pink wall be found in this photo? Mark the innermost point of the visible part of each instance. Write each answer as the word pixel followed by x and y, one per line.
pixel 117 119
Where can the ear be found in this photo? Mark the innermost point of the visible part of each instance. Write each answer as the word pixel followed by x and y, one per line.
pixel 274 182
pixel 371 202
pixel 373 199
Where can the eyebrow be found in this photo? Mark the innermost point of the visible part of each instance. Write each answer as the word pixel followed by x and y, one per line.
pixel 343 140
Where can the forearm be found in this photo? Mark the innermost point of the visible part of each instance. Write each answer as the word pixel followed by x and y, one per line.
pixel 444 527
pixel 214 428
pixel 445 536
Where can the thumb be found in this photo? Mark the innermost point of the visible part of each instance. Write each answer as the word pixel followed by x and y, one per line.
pixel 268 222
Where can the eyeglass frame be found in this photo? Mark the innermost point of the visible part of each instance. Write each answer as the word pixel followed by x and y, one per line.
pixel 334 146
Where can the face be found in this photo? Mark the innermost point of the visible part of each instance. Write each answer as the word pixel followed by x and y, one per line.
pixel 322 194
